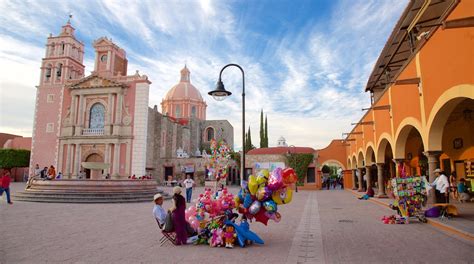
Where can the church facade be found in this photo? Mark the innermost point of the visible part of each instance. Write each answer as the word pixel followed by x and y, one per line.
pixel 101 125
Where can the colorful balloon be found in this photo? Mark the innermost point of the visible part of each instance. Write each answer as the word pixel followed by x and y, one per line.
pixel 282 196
pixel 289 176
pixel 252 184
pixel 270 206
pixel 262 177
pixel 263 193
pixel 275 180
pixel 255 207
pixel 248 200
pixel 274 216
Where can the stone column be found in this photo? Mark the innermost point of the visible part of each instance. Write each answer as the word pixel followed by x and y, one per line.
pixel 107 157
pixel 433 163
pixel 68 162
pixel 116 160
pixel 78 160
pixel 108 120
pixel 80 118
pixel 360 187
pixel 354 186
pixel 381 190
pixel 368 175
pixel 73 110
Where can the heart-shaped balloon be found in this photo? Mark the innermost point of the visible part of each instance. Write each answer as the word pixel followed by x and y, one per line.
pixel 289 176
pixel 275 180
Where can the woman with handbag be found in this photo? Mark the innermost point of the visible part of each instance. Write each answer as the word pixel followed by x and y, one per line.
pixel 179 220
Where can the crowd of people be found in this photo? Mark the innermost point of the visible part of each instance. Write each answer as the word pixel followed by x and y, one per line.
pixel 47 173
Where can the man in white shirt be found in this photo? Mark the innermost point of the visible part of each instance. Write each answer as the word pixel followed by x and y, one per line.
pixel 188 184
pixel 158 211
pixel 441 185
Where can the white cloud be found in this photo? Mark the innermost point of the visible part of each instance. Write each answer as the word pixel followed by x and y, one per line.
pixel 309 82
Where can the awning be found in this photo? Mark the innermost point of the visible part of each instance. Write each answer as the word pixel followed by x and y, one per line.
pixel 418 22
pixel 95 165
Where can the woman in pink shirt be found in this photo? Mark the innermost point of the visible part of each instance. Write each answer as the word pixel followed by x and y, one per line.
pixel 5 186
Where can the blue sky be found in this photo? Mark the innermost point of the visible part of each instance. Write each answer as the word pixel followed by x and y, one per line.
pixel 306 62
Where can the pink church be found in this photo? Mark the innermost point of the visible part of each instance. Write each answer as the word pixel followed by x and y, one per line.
pixel 95 124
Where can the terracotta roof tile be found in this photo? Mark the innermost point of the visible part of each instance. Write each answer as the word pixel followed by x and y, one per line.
pixel 280 150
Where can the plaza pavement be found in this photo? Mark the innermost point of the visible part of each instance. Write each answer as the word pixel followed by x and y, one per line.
pixel 317 227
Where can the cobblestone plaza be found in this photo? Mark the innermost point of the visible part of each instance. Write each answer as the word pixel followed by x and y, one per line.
pixel 317 227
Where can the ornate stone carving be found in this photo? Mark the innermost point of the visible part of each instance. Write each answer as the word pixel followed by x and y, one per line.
pixel 127 119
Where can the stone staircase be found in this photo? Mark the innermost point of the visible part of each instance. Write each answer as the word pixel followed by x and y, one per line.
pixel 90 191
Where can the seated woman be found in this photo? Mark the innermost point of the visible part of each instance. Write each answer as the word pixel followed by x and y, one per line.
pixel 370 193
pixel 463 194
pixel 178 215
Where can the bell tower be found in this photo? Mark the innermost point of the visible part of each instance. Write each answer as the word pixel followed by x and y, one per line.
pixel 62 63
pixel 110 59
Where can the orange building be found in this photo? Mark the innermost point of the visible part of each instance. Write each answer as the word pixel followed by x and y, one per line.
pixel 422 90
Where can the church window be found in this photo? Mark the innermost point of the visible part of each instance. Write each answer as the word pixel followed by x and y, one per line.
pixel 103 58
pixel 50 98
pixel 178 111
pixel 97 116
pixel 62 48
pixel 48 72
pixel 59 70
pixel 49 127
pixel 193 111
pixel 209 133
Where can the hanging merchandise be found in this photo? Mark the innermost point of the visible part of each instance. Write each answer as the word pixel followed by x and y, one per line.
pixel 410 196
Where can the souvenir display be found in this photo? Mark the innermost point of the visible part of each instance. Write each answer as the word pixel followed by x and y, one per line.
pixel 410 195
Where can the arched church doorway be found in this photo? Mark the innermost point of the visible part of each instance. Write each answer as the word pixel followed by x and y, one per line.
pixel 94 172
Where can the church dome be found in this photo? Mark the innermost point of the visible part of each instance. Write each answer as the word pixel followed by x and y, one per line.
pixel 184 90
pixel 184 100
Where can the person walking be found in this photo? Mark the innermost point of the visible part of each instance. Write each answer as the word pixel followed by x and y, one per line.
pixel 188 184
pixel 441 185
pixel 5 185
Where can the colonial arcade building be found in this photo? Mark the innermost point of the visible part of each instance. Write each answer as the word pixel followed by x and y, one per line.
pixel 101 124
pixel 422 90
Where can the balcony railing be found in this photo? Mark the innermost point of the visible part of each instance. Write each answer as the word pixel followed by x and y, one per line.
pixel 93 131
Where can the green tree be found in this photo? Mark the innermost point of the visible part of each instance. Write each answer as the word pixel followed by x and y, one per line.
pixel 300 162
pixel 248 142
pixel 266 132
pixel 262 132
pixel 326 169
pixel 14 158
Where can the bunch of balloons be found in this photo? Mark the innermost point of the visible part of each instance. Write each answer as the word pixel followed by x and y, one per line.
pixel 209 205
pixel 218 160
pixel 260 197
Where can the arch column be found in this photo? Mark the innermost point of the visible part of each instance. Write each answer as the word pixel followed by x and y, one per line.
pixel 368 175
pixel 359 177
pixel 433 163
pixel 116 160
pixel 354 186
pixel 78 160
pixel 381 190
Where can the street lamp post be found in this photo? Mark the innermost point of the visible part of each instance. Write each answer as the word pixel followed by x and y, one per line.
pixel 289 155
pixel 219 94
